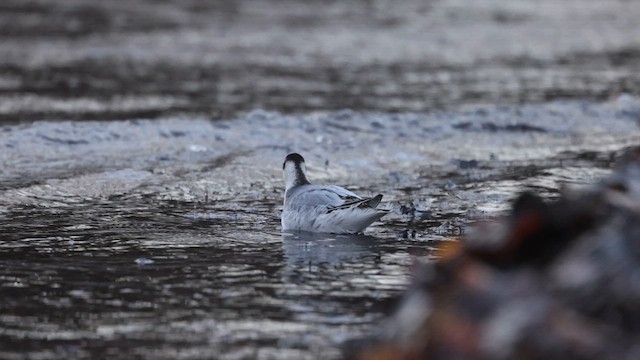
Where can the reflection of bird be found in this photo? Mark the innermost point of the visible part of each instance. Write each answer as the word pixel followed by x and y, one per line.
pixel 305 248
pixel 323 208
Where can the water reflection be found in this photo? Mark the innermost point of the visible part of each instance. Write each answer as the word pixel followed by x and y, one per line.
pixel 339 282
pixel 303 248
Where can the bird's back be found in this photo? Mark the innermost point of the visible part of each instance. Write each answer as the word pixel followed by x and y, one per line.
pixel 329 208
pixel 318 195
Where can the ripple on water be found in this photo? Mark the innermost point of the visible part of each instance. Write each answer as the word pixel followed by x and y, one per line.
pixel 198 283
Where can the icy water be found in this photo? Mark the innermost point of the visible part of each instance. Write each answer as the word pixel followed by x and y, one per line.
pixel 161 239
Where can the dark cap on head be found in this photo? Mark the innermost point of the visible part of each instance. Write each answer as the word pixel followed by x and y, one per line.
pixel 295 157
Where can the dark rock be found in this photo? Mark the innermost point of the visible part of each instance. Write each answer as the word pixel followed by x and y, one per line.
pixel 554 280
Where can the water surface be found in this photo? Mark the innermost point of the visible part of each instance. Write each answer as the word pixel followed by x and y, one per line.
pixel 124 278
pixel 161 239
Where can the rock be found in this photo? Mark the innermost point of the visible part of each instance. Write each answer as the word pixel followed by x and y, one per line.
pixel 558 280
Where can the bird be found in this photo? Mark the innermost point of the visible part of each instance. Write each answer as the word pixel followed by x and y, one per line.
pixel 323 208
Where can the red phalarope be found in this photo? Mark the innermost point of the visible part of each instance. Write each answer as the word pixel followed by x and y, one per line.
pixel 323 208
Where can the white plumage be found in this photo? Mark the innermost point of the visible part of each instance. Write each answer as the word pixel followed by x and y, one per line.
pixel 323 208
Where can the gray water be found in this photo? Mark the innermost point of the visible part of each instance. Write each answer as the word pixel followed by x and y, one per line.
pixel 161 239
pixel 125 278
pixel 90 59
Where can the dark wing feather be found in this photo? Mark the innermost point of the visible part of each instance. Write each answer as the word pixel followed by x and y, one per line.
pixel 361 203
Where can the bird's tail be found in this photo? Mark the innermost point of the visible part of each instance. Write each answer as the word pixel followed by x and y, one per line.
pixel 372 202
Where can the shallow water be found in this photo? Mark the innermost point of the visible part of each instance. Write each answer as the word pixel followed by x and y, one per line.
pixel 141 277
pixel 87 59
pixel 161 238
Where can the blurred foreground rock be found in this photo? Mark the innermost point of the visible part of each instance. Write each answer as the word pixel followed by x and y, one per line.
pixel 554 280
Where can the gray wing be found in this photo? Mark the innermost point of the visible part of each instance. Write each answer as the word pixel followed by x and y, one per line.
pixel 361 203
pixel 330 196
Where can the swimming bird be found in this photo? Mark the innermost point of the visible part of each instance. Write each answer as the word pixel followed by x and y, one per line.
pixel 323 208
